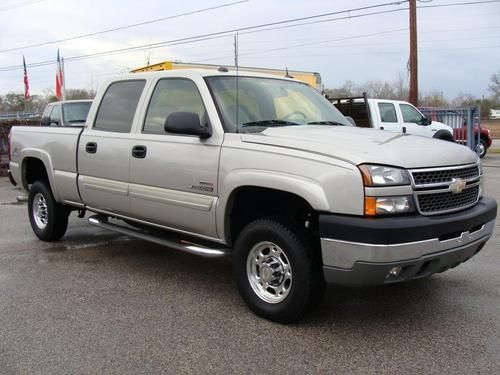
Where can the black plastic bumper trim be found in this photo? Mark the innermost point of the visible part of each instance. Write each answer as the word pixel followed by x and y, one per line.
pixel 401 229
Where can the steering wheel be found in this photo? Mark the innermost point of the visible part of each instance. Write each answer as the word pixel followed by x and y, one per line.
pixel 294 114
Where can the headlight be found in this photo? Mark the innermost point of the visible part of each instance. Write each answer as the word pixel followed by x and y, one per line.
pixel 379 175
pixel 375 206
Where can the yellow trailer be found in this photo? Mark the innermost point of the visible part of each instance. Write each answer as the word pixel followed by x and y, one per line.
pixel 311 78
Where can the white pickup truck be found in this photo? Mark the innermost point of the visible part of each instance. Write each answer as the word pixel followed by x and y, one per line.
pixel 262 169
pixel 391 115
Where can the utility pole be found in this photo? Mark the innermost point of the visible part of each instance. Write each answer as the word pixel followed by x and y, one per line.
pixel 413 54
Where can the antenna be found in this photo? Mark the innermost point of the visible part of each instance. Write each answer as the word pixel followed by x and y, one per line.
pixel 237 79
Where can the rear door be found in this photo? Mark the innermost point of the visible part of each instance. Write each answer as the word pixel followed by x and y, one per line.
pixel 173 177
pixel 387 117
pixel 105 148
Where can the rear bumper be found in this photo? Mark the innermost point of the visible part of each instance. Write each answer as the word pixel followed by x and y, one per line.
pixel 361 251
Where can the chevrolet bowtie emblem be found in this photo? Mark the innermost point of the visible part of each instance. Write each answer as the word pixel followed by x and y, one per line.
pixel 457 185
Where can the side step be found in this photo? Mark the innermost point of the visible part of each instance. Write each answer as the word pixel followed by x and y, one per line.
pixel 162 238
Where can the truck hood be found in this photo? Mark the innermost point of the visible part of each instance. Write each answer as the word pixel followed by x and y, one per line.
pixel 358 146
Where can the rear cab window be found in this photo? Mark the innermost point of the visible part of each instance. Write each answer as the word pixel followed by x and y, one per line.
pixel 118 106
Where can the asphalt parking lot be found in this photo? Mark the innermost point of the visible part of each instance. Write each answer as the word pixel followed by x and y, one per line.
pixel 98 302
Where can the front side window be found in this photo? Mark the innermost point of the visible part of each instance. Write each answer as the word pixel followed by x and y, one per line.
pixel 55 115
pixel 252 104
pixel 118 106
pixel 173 95
pixel 75 113
pixel 410 114
pixel 387 112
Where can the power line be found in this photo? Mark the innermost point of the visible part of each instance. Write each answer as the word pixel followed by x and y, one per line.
pixel 213 35
pixel 124 27
pixel 19 5
pixel 242 30
pixel 457 4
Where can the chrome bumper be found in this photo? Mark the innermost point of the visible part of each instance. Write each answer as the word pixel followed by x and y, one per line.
pixel 344 254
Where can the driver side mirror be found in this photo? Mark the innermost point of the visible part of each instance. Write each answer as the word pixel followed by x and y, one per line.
pixel 186 123
pixel 426 120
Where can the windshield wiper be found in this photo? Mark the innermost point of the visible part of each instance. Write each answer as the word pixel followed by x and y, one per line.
pixel 327 122
pixel 72 121
pixel 268 123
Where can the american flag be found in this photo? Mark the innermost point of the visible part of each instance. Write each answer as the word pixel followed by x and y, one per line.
pixel 26 83
pixel 59 79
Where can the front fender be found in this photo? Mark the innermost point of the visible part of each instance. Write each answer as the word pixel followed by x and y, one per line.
pixel 310 190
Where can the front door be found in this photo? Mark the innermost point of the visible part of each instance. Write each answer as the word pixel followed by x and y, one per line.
pixel 173 177
pixel 414 121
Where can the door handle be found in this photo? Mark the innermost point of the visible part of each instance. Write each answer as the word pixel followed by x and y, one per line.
pixel 139 152
pixel 91 147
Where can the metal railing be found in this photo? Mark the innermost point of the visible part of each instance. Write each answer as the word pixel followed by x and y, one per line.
pixel 466 123
pixel 19 115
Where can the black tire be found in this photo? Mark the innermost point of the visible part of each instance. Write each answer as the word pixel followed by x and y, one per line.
pixel 56 218
pixel 307 285
pixel 11 179
pixel 444 136
pixel 483 148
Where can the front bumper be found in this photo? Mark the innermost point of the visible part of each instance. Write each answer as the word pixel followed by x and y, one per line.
pixel 362 251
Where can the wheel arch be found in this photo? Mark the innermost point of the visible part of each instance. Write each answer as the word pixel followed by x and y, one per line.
pixel 36 165
pixel 274 191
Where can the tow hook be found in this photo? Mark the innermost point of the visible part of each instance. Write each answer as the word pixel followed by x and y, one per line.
pixel 82 212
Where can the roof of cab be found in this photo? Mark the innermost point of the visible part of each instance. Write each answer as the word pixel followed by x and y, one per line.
pixel 191 73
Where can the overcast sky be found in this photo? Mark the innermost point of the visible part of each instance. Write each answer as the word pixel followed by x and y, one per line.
pixel 459 47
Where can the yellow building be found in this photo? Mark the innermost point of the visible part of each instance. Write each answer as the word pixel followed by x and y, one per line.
pixel 311 78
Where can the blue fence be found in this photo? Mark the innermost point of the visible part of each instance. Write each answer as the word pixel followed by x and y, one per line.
pixel 466 123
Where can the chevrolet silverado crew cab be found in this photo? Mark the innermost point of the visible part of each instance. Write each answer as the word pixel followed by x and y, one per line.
pixel 262 169
pixel 391 115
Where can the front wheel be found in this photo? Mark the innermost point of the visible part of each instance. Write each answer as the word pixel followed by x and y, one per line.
pixel 278 270
pixel 49 219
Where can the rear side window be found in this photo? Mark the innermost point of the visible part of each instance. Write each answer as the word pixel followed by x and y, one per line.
pixel 118 106
pixel 387 112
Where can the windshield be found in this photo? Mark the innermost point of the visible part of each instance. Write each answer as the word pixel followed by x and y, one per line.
pixel 75 113
pixel 268 102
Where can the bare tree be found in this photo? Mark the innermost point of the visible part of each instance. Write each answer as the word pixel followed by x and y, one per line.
pixel 494 86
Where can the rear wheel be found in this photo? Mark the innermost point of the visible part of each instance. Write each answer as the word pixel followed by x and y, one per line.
pixel 482 148
pixel 49 219
pixel 278 270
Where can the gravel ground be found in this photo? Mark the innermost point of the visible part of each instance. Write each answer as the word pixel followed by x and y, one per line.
pixel 98 302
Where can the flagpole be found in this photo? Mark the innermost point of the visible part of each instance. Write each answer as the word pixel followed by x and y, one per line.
pixel 63 79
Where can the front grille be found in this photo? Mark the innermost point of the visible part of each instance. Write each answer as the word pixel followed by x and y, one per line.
pixel 437 202
pixel 444 175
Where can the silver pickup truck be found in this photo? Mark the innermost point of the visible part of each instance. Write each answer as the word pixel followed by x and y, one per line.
pixel 261 169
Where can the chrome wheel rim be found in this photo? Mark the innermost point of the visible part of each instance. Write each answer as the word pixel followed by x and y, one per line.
pixel 269 272
pixel 481 148
pixel 40 211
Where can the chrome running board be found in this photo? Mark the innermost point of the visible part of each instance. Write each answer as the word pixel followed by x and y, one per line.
pixel 162 238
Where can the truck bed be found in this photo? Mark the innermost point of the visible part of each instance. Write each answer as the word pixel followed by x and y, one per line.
pixel 57 148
